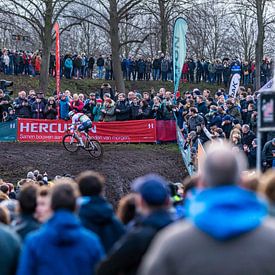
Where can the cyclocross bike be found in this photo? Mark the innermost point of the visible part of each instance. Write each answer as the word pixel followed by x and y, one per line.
pixel 71 142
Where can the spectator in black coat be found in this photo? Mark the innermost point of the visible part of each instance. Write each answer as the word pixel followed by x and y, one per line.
pixel 122 108
pixel 134 109
pixel 153 203
pixel 38 108
pixel 144 111
pixel 201 105
pixel 50 109
pixel 95 213
pixel 248 135
pixel 21 106
pixel 251 153
pixel 5 103
pixel 26 222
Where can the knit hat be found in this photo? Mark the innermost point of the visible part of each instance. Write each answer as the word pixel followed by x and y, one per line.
pixel 152 188
pixel 226 117
pixel 99 100
pixel 30 175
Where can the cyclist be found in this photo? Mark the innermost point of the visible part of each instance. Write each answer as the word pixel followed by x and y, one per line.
pixel 83 123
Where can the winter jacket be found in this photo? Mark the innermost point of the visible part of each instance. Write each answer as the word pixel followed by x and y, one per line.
pixel 77 105
pixel 100 62
pixel 25 224
pixel 64 108
pixel 10 249
pixel 127 254
pixel 134 112
pixel 235 113
pixel 61 246
pixel 227 233
pixel 98 216
pixel 68 63
pixel 22 108
pixel 268 151
pixel 202 108
pixel 98 115
pixel 124 108
pixel 110 113
pixel 50 111
pixel 37 109
pixel 248 138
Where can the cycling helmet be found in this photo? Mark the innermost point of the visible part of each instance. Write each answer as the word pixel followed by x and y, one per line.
pixel 71 113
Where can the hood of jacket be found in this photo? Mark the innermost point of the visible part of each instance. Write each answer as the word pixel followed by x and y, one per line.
pixel 97 210
pixel 63 228
pixel 226 212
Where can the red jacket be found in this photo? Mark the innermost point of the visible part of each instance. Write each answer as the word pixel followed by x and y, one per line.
pixel 77 105
pixel 185 68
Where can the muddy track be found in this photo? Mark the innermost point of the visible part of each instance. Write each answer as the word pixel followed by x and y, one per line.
pixel 121 163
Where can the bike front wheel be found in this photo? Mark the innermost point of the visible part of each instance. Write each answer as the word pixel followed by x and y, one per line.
pixel 70 143
pixel 94 148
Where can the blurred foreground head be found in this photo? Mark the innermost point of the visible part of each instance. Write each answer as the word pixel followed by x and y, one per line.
pixel 222 165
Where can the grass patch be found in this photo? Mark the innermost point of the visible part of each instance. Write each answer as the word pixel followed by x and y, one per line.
pixel 88 85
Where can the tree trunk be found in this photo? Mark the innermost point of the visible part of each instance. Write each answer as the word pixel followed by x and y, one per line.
pixel 115 44
pixel 46 48
pixel 259 52
pixel 163 26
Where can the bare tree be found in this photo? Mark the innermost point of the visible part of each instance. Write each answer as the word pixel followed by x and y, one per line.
pixel 109 16
pixel 260 10
pixel 41 15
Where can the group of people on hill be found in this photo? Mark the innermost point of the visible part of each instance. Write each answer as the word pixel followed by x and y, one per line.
pixel 103 105
pixel 209 224
pixel 160 67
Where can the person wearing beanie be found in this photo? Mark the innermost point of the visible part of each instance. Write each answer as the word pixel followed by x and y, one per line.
pixel 153 201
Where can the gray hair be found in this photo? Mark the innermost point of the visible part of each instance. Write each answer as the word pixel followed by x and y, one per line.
pixel 222 165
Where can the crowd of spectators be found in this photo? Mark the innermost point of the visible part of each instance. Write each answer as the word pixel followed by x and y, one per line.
pixel 66 225
pixel 104 105
pixel 160 67
pixel 201 115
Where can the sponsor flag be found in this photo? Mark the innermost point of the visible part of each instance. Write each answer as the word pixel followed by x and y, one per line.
pixel 179 50
pixel 234 85
pixel 57 65
pixel 267 86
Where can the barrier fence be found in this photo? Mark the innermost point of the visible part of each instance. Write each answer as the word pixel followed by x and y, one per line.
pixel 42 130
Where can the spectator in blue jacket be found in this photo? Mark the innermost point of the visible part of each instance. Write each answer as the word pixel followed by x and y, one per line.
pixel 62 245
pixel 95 213
pixel 64 105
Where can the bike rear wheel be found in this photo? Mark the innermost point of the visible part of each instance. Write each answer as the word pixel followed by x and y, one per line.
pixel 94 148
pixel 70 143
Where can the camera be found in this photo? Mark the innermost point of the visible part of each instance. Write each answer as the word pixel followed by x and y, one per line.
pixel 4 84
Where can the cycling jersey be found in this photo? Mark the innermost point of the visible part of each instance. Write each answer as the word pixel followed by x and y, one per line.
pixel 83 122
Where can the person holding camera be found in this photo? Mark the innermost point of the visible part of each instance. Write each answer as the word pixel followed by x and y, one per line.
pixel 38 108
pixel 50 109
pixel 5 103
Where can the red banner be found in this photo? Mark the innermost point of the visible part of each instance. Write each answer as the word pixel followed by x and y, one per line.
pixel 57 63
pixel 42 130
pixel 166 130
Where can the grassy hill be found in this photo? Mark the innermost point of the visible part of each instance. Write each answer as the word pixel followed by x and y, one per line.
pixel 90 85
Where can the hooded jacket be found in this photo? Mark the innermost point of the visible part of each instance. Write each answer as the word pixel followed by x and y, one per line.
pixel 127 254
pixel 61 246
pixel 226 233
pixel 98 216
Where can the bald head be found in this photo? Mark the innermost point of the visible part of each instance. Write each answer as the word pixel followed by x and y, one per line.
pixel 222 166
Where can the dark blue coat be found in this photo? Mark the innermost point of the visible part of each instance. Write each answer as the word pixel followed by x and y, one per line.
pixel 98 216
pixel 61 246
pixel 127 254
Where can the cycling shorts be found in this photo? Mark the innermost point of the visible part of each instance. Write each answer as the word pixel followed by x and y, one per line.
pixel 85 126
